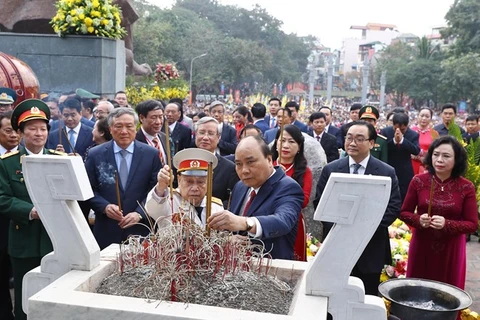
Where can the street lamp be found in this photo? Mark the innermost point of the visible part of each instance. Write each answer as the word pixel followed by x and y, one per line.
pixel 191 71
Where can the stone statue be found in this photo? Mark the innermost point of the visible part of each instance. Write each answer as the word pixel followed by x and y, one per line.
pixel 33 16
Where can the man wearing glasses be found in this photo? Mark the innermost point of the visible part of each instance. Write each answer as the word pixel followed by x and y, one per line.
pixel 359 140
pixel 224 175
pixel 74 137
pixel 102 110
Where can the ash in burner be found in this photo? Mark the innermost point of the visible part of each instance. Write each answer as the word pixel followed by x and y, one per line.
pixel 425 305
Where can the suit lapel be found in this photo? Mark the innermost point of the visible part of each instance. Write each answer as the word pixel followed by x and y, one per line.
pixel 81 137
pixel 136 159
pixel 371 166
pixel 237 202
pixel 343 166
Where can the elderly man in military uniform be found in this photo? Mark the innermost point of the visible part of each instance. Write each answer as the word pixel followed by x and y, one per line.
pixel 370 114
pixel 7 99
pixel 189 199
pixel 28 241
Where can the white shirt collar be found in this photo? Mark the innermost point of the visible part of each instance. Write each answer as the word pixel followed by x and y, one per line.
pixel 147 135
pixel 364 162
pixel 30 152
pixel 3 150
pixel 172 126
pixel 76 129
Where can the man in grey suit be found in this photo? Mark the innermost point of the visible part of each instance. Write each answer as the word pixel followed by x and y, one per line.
pixel 359 140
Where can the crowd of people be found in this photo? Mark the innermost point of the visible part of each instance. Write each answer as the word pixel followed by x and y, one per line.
pixel 261 177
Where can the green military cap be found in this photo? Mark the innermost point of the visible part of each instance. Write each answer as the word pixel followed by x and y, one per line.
pixel 82 93
pixel 7 96
pixel 31 109
pixel 368 112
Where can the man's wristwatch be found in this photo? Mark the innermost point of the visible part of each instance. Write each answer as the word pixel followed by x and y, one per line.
pixel 249 223
pixel 139 217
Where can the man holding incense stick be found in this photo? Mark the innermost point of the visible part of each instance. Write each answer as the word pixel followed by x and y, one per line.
pixel 121 173
pixel 265 203
pixel 190 198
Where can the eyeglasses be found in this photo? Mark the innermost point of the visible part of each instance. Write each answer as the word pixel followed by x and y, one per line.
pixel 209 134
pixel 357 140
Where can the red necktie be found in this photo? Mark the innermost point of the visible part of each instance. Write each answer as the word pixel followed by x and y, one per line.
pixel 156 144
pixel 247 206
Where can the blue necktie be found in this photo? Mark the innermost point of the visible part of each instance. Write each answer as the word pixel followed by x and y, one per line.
pixel 356 166
pixel 71 137
pixel 123 170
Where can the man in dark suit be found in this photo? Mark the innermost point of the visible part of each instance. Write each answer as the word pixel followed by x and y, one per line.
pixel 126 165
pixel 258 114
pixel 266 203
pixel 284 116
pixel 358 143
pixel 448 113
pixel 402 142
pixel 274 104
pixel 228 135
pixel 180 134
pixel 328 142
pixel 330 128
pixel 224 175
pixel 294 107
pixel 471 124
pixel 150 113
pixel 75 134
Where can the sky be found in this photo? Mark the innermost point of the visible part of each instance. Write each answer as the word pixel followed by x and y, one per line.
pixel 331 20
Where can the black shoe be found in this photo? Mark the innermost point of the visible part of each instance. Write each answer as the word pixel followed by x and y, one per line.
pixel 10 282
pixel 468 237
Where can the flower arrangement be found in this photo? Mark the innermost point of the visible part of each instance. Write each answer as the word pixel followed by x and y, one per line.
pixel 165 72
pixel 95 17
pixel 139 94
pixel 400 236
pixel 313 245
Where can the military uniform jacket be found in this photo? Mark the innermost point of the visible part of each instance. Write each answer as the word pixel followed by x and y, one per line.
pixel 160 208
pixel 27 238
pixel 380 149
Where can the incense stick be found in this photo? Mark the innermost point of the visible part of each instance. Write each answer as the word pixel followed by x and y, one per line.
pixel 169 161
pixel 117 187
pixel 209 194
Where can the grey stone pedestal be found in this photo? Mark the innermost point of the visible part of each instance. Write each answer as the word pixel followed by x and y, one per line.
pixel 65 64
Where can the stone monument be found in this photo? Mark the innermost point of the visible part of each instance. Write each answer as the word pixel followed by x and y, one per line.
pixel 325 282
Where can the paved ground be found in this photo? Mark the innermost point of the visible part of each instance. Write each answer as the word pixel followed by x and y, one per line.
pixel 472 285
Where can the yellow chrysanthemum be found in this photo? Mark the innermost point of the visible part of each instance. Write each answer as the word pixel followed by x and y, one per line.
pixel 105 22
pixel 88 22
pixel 73 12
pixel 81 16
pixel 90 29
pixel 95 3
